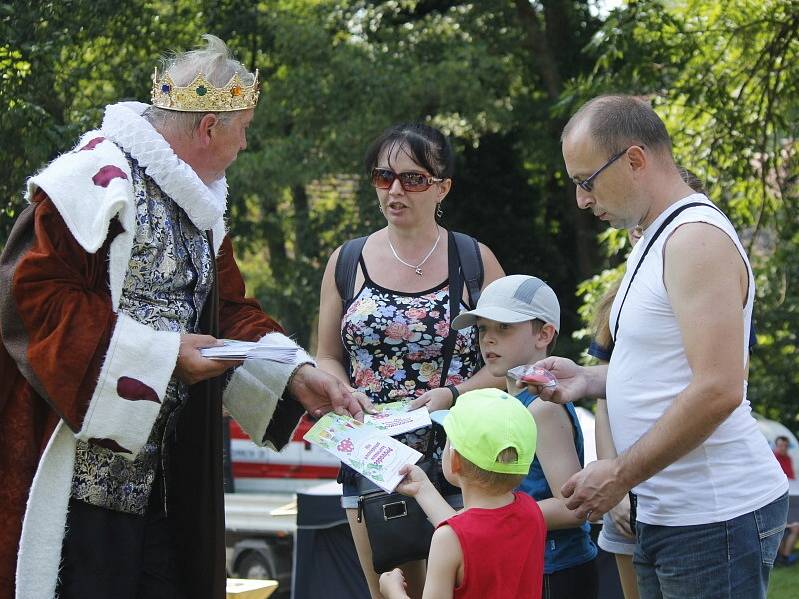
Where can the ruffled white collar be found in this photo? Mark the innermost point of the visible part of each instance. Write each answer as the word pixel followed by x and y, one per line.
pixel 204 204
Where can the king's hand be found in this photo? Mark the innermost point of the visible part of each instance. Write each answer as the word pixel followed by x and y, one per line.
pixel 319 393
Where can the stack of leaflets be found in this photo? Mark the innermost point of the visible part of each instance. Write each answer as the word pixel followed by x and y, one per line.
pixel 397 417
pixel 283 351
pixel 363 448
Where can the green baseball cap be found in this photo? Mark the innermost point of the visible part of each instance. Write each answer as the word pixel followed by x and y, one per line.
pixel 483 423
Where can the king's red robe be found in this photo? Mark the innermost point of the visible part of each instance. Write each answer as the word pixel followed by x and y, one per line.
pixel 62 338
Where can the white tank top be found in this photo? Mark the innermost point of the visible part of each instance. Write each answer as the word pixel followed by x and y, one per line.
pixel 734 471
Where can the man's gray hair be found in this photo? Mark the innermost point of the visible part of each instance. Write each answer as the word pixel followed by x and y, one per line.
pixel 616 122
pixel 216 62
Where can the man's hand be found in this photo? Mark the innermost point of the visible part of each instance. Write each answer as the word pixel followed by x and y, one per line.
pixel 392 584
pixel 439 398
pixel 572 381
pixel 595 489
pixel 414 482
pixel 191 367
pixel 319 393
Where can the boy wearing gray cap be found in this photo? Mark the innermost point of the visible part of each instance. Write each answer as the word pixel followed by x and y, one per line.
pixel 518 319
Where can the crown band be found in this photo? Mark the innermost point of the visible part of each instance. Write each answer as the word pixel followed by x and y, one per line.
pixel 202 96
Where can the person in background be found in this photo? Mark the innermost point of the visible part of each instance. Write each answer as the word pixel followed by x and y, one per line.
pixel 388 343
pixel 617 535
pixel 781 446
pixel 494 546
pixel 785 555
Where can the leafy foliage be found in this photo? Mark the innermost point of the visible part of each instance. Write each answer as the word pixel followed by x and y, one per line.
pixel 499 76
pixel 724 79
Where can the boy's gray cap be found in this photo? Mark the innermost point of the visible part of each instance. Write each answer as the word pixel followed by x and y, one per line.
pixel 511 299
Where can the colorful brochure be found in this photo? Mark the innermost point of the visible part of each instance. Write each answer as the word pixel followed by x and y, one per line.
pixel 397 417
pixel 363 448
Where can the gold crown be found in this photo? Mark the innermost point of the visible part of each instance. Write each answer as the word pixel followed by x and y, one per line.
pixel 202 96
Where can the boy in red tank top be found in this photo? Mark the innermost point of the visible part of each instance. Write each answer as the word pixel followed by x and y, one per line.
pixel 494 546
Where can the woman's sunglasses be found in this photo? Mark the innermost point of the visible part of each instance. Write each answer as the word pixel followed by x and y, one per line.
pixel 383 178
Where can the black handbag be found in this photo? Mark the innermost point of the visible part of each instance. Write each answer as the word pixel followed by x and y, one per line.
pixel 398 528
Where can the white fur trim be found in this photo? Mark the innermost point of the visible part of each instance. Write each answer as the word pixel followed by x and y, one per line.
pixel 256 386
pixel 219 235
pixel 45 518
pixel 87 208
pixel 205 204
pixel 145 355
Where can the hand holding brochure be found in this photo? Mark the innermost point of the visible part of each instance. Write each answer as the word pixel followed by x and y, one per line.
pixel 363 448
pixel 266 349
pixel 396 417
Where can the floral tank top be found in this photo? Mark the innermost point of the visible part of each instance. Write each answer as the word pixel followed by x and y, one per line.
pixel 395 343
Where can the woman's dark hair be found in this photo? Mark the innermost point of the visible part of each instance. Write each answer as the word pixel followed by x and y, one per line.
pixel 425 145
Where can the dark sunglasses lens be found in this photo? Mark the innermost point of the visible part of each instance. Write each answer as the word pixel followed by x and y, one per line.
pixel 382 178
pixel 413 181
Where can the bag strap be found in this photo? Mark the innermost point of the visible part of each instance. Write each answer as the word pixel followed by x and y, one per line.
pixel 660 230
pixel 347 268
pixel 465 266
pixel 471 263
pixel 455 287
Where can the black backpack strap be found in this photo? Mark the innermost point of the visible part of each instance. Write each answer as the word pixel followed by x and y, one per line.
pixel 346 269
pixel 660 229
pixel 471 265
pixel 455 292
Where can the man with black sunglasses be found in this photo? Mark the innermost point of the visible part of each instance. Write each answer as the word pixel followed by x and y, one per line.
pixel 712 500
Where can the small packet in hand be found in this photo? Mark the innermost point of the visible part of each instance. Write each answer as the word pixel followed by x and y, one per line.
pixel 533 376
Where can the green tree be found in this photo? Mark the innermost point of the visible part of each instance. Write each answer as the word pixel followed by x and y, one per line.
pixel 337 73
pixel 61 61
pixel 724 79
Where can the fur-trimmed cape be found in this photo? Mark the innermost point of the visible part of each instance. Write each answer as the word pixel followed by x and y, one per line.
pixel 73 367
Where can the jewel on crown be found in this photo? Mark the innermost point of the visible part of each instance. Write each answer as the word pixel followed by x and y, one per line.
pixel 202 96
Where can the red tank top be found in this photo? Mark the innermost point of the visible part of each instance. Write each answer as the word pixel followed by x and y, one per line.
pixel 503 550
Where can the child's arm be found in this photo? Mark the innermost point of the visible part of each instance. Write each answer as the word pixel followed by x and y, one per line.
pixel 558 456
pixel 417 485
pixel 605 449
pixel 392 585
pixel 604 438
pixel 444 565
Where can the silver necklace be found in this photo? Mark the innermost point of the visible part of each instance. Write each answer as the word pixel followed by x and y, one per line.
pixel 418 267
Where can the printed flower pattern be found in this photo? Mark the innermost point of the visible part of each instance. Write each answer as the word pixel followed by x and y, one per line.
pixel 395 343
pixel 346 446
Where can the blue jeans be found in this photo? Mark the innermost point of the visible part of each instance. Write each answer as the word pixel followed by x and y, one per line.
pixel 720 560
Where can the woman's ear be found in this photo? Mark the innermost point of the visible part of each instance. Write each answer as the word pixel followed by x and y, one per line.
pixel 443 188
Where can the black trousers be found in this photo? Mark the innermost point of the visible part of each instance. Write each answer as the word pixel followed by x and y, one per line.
pixel 111 554
pixel 578 582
